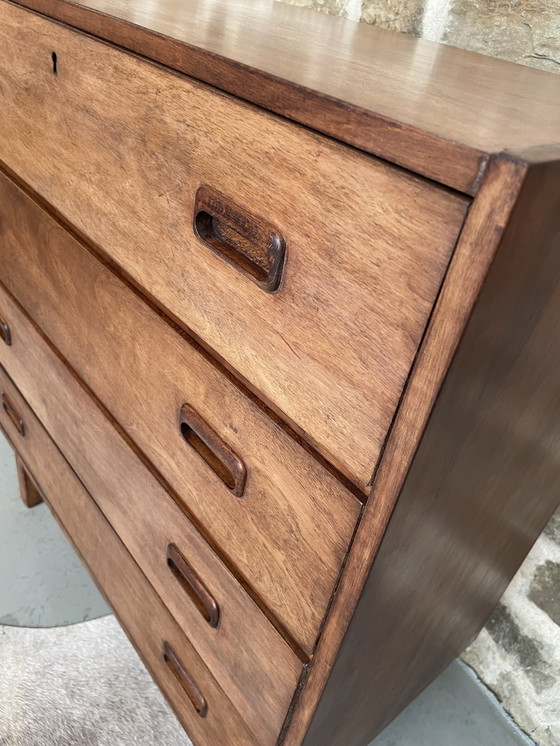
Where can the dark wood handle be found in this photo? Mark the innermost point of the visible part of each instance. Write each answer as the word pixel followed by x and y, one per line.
pixel 193 585
pixel 248 242
pixel 5 332
pixel 185 679
pixel 217 454
pixel 13 415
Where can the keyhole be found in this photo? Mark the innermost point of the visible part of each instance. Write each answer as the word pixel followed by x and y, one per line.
pixel 54 62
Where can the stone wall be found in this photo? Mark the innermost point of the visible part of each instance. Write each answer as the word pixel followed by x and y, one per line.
pixel 518 653
pixel 525 31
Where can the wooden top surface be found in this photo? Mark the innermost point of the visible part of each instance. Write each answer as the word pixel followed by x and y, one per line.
pixel 431 108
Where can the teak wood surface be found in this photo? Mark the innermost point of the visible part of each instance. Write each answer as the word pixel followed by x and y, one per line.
pixel 29 491
pixel 431 108
pixel 254 666
pixel 125 587
pixel 290 532
pixel 452 538
pixel 120 147
pixel 456 417
pixel 482 484
pixel 474 254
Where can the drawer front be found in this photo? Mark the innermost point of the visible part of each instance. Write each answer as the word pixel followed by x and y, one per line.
pixel 197 699
pixel 253 664
pixel 290 530
pixel 122 148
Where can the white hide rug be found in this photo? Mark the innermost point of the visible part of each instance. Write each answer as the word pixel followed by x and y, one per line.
pixel 81 685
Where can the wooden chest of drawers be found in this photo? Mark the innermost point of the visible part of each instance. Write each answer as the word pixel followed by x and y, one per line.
pixel 278 317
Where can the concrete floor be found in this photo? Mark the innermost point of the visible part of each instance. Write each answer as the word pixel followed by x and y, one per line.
pixel 455 710
pixel 42 581
pixel 42 584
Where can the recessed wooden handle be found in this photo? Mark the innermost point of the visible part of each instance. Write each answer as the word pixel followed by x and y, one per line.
pixel 193 585
pixel 217 454
pixel 13 415
pixel 5 332
pixel 248 242
pixel 185 679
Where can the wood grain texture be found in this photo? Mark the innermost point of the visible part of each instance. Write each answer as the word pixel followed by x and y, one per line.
pixel 224 462
pixel 13 415
pixel 252 663
pixel 481 488
pixel 28 489
pixel 475 251
pixel 120 146
pixel 429 107
pixel 5 333
pixel 445 392
pixel 246 241
pixel 139 610
pixel 290 532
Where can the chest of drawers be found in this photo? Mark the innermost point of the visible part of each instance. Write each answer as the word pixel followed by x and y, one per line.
pixel 278 308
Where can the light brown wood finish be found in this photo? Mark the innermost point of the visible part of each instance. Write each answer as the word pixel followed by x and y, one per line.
pixel 13 415
pixel 5 333
pixel 431 108
pixel 120 147
pixel 483 482
pixel 459 395
pixel 290 532
pixel 28 489
pixel 143 616
pixel 475 252
pixel 252 663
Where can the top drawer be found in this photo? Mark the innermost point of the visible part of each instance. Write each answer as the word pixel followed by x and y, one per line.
pixel 121 147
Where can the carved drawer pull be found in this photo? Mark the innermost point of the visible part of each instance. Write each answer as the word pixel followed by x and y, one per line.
pixel 210 447
pixel 185 679
pixel 5 332
pixel 193 585
pixel 248 242
pixel 13 415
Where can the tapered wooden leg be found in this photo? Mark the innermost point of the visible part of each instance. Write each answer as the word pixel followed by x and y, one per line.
pixel 29 492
